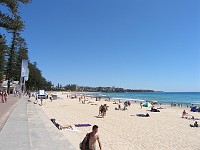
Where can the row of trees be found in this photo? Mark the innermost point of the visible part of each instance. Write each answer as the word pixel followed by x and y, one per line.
pixel 69 87
pixel 12 53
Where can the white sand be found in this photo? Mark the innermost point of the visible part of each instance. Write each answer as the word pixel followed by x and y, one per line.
pixel 118 130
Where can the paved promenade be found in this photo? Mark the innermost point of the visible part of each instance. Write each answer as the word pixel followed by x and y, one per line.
pixel 6 109
pixel 28 128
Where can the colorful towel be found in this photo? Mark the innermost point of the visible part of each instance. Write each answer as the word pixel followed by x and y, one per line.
pixel 82 125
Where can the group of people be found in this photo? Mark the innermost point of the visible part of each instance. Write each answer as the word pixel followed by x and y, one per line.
pixel 82 99
pixel 4 96
pixel 102 110
pixel 176 104
pixel 185 115
pixel 126 104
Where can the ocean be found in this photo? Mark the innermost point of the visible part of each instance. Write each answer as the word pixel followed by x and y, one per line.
pixel 184 98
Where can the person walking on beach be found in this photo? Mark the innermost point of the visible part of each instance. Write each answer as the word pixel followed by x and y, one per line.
pixel 100 110
pixel 29 95
pixel 41 101
pixel 36 98
pixel 90 140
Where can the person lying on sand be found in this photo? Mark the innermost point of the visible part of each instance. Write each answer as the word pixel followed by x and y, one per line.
pixel 160 108
pixel 60 127
pixel 153 109
pixel 67 127
pixel 114 102
pixel 119 107
pixel 93 104
pixel 191 118
pixel 195 124
pixel 143 115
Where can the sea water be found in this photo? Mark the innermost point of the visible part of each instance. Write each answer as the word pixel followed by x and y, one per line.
pixel 184 98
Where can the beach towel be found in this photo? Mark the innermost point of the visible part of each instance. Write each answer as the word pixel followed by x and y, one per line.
pixel 142 115
pixel 82 125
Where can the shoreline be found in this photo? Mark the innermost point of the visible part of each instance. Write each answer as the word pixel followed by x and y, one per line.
pixel 168 103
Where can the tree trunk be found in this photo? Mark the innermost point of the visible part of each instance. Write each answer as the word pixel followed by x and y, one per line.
pixel 10 62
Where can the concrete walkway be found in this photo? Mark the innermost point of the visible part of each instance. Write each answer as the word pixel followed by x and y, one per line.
pixel 6 108
pixel 28 128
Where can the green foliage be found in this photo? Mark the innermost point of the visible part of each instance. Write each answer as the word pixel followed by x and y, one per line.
pixel 71 87
pixel 12 55
pixel 36 80
pixel 12 5
pixel 3 49
pixel 11 24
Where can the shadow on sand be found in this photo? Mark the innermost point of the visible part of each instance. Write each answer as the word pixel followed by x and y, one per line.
pixel 98 116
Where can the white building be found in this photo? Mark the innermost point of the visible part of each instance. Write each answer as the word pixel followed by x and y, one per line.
pixel 14 86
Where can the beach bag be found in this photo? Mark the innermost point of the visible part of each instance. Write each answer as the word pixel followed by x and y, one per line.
pixel 86 143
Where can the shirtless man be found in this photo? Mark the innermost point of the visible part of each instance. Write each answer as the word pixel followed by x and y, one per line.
pixel 93 137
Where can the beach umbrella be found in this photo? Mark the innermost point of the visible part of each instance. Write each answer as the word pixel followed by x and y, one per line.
pixel 146 104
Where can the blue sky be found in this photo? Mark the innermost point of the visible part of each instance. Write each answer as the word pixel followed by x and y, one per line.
pixel 137 44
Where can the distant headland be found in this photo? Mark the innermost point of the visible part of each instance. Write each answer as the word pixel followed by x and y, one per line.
pixel 74 87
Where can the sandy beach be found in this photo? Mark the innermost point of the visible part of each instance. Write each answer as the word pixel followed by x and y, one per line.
pixel 123 130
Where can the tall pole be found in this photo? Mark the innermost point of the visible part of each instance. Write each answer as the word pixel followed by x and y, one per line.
pixel 20 87
pixel 24 85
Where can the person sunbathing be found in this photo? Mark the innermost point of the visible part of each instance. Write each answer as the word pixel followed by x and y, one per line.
pixel 119 107
pixel 153 109
pixel 114 102
pixel 160 108
pixel 147 115
pixel 191 118
pixel 184 114
pixel 60 127
pixel 195 124
pixel 143 115
pixel 66 127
